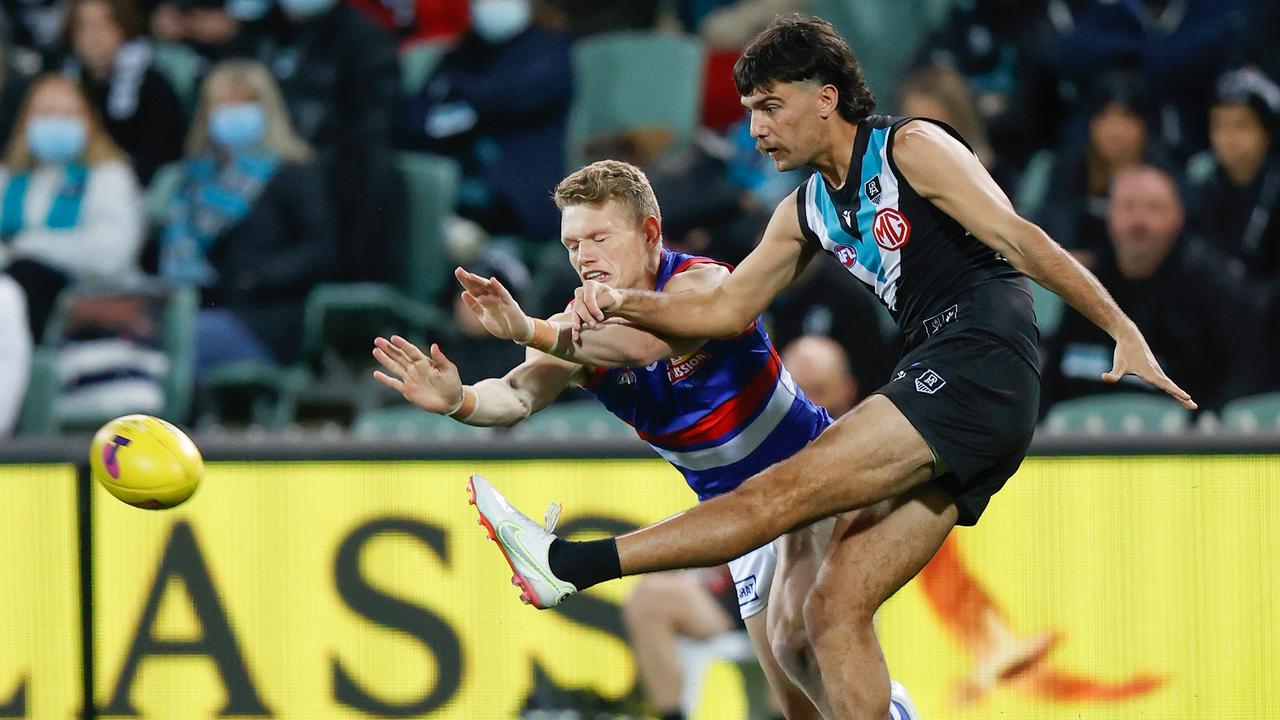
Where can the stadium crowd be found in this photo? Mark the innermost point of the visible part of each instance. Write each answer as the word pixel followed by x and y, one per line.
pixel 248 154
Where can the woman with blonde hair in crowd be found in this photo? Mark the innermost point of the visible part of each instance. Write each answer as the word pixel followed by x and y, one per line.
pixel 249 222
pixel 942 93
pixel 70 207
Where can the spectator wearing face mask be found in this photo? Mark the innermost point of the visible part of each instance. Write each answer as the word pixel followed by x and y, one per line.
pixel 249 221
pixel 1191 301
pixel 70 208
pixel 499 102
pixel 113 65
pixel 1237 205
pixel 340 79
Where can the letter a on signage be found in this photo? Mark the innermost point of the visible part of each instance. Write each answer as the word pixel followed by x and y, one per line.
pixel 182 560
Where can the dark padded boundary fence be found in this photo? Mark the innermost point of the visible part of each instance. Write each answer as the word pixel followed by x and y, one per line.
pixel 321 446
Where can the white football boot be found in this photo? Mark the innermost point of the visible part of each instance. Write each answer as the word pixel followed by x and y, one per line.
pixel 523 542
pixel 900 705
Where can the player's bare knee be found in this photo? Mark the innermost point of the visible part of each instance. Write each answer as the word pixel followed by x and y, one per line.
pixel 830 607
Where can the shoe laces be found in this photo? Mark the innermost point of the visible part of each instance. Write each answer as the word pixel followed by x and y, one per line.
pixel 552 517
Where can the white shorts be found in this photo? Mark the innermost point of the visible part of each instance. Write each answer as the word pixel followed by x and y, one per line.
pixel 752 577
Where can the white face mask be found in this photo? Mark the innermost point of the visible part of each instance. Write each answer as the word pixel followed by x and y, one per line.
pixel 500 20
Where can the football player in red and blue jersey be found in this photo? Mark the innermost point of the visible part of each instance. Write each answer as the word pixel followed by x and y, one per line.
pixel 719 410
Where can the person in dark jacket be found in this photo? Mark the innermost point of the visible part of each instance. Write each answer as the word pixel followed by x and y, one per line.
pixel 1119 136
pixel 249 221
pixel 1178 46
pixel 1238 206
pixel 341 81
pixel 499 102
pixel 138 106
pixel 1190 300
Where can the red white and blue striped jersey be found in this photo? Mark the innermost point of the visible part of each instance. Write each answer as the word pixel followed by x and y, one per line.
pixel 720 414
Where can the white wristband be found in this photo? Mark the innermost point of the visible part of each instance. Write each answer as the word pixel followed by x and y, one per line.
pixel 533 330
pixel 462 397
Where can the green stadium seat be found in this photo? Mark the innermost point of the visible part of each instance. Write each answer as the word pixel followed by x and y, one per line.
pixel 1117 414
pixel 180 65
pixel 432 186
pixel 256 385
pixel 411 423
pixel 1033 185
pixel 570 420
pixel 1258 413
pixel 1049 308
pixel 160 192
pixel 629 80
pixel 1200 168
pixel 341 319
pixel 43 386
pixel 417 62
pixel 885 35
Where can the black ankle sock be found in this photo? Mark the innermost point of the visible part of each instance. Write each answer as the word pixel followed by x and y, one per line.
pixel 584 563
pixel 677 715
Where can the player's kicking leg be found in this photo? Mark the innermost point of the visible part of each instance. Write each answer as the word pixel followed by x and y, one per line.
pixel 871 454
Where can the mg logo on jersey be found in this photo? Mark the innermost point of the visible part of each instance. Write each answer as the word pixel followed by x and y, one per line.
pixel 626 378
pixel 929 383
pixel 847 255
pixel 891 229
pixel 682 367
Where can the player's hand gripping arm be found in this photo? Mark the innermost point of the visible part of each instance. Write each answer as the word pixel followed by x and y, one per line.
pixel 431 382
pixel 714 312
pixel 942 170
pixel 612 344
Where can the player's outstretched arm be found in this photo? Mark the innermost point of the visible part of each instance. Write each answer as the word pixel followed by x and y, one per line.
pixel 715 312
pixel 611 345
pixel 431 382
pixel 942 170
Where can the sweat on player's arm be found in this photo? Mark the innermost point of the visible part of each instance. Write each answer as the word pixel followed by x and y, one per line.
pixel 716 312
pixel 609 345
pixel 945 172
pixel 431 382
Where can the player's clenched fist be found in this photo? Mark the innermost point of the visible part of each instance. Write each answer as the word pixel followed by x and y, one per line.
pixel 591 302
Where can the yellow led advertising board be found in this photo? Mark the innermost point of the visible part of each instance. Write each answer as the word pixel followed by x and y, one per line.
pixel 39 593
pixel 1108 588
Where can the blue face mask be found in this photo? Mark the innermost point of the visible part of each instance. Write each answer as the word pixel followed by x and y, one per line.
pixel 500 20
pixel 238 126
pixel 55 139
pixel 306 8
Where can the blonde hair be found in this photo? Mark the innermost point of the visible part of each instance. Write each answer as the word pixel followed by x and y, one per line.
pixel 605 180
pixel 949 88
pixel 99 147
pixel 255 80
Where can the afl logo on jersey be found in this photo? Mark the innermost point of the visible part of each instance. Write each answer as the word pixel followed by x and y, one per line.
pixel 891 229
pixel 847 255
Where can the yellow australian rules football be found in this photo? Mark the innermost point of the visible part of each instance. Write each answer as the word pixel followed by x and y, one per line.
pixel 146 462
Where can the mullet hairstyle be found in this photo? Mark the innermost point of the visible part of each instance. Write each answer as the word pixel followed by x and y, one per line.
pixel 799 48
